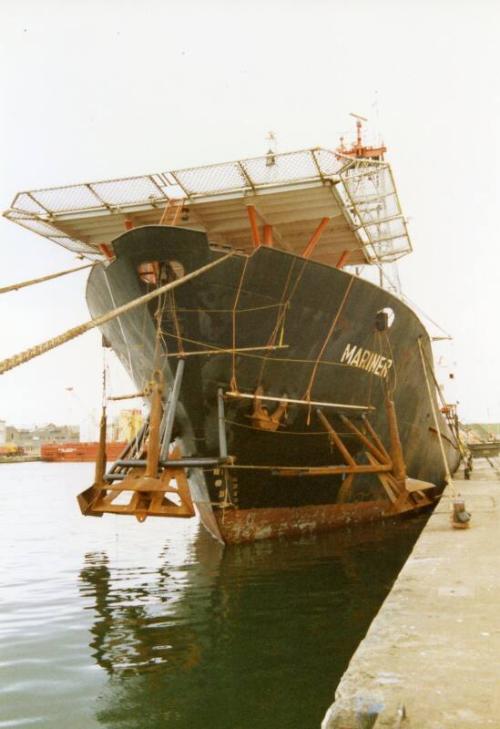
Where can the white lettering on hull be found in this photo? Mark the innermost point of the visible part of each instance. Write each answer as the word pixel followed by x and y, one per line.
pixel 372 362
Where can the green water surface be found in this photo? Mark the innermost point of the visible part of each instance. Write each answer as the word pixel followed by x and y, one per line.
pixel 111 623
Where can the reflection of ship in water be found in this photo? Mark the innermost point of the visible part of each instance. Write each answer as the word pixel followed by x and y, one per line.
pixel 138 614
pixel 229 639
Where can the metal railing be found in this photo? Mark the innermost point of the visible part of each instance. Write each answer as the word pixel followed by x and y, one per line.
pixel 364 188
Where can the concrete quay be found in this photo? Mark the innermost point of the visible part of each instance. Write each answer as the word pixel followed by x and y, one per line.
pixel 431 657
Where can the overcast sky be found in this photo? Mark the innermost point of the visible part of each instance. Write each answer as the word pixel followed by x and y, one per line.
pixel 105 89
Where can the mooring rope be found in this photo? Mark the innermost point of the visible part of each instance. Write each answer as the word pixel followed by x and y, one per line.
pixel 448 477
pixel 307 395
pixel 37 350
pixel 199 310
pixel 244 352
pixel 458 441
pixel 234 384
pixel 284 306
pixel 171 296
pixel 49 277
pixel 391 386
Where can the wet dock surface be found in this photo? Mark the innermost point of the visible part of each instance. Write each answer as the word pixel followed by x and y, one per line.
pixel 431 658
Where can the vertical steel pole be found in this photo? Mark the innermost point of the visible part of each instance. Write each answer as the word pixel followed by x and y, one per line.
pixel 100 464
pixel 154 432
pixel 170 409
pixel 252 217
pixel 222 423
pixel 396 449
pixel 268 235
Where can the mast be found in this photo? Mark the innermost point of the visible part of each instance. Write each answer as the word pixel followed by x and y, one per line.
pixel 379 209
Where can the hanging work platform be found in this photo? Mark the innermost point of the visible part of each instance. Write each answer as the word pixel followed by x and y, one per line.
pixel 149 479
pixel 317 203
pixel 139 495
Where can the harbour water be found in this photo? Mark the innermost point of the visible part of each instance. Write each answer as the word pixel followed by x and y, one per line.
pixel 111 623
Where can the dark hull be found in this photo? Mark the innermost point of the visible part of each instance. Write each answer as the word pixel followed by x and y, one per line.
pixel 319 299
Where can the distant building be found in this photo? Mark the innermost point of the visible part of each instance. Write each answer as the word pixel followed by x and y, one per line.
pixel 481 432
pixel 30 439
pixel 3 431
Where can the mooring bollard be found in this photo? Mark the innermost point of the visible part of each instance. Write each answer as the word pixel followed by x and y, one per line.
pixel 460 517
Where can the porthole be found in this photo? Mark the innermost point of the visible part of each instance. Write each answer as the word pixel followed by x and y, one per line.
pixel 384 319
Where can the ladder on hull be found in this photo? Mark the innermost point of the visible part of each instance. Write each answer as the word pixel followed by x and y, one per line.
pixel 173 211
